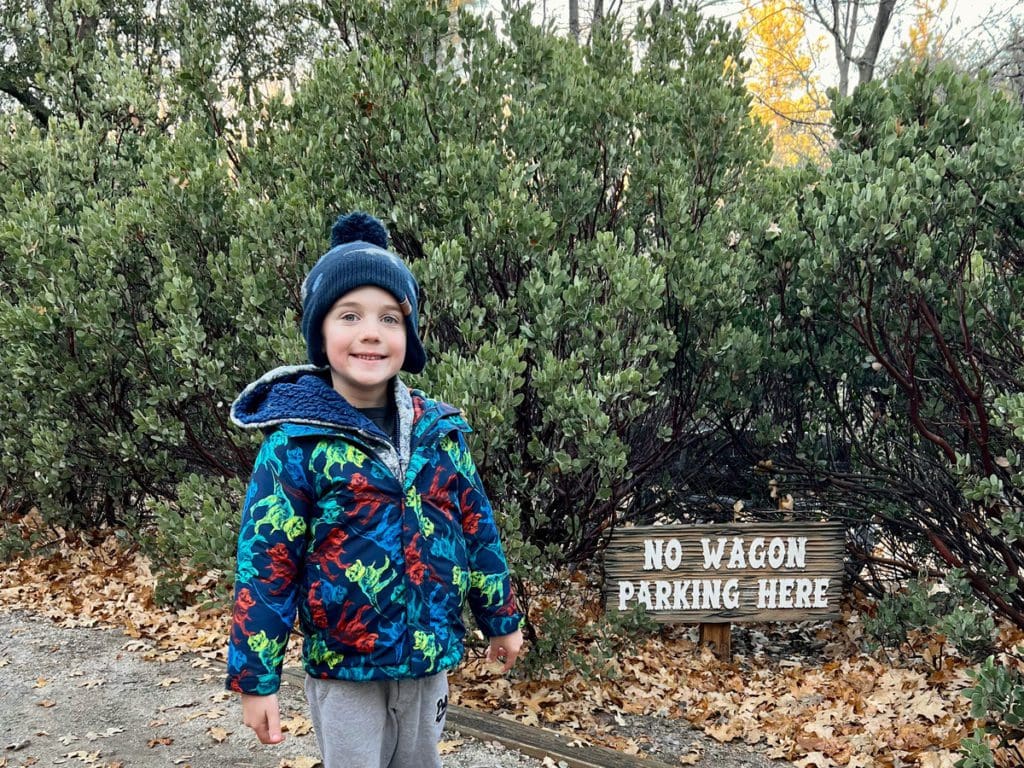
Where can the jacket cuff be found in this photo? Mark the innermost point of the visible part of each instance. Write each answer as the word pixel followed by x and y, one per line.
pixel 253 685
pixel 499 626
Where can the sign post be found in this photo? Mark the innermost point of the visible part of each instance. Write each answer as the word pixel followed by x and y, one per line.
pixel 732 572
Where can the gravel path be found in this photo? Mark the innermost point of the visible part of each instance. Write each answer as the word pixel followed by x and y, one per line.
pixel 94 698
pixel 88 698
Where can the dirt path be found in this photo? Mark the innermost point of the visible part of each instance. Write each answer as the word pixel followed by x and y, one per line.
pixel 88 698
pixel 94 698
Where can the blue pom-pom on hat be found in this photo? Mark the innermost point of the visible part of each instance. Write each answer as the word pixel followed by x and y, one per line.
pixel 359 226
pixel 359 256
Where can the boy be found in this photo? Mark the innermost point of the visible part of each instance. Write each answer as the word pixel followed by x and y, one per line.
pixel 366 515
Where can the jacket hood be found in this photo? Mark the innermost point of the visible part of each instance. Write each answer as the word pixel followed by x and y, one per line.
pixel 293 393
pixel 303 394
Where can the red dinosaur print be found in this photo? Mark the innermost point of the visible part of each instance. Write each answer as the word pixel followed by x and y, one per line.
pixel 440 494
pixel 470 517
pixel 414 566
pixel 368 499
pixel 236 681
pixel 240 617
pixel 316 606
pixel 331 550
pixel 282 568
pixel 351 630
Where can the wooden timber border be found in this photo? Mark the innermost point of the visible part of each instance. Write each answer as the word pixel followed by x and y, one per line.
pixel 532 741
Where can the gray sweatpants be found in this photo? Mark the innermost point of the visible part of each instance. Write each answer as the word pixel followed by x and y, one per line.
pixel 379 723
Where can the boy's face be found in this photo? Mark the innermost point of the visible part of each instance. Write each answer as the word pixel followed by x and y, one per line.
pixel 364 338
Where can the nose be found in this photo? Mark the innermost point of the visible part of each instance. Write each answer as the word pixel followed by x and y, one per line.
pixel 370 330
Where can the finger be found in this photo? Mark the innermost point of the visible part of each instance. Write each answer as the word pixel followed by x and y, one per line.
pixel 260 729
pixel 510 660
pixel 274 726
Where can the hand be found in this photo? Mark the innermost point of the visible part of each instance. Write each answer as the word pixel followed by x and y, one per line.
pixel 505 649
pixel 261 713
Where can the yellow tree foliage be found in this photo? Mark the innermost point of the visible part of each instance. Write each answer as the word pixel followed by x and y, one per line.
pixel 788 95
pixel 926 36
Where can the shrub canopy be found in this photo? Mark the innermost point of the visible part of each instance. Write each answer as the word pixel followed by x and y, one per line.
pixel 637 315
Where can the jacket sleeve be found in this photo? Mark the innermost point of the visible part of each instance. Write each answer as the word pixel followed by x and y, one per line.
pixel 490 594
pixel 271 548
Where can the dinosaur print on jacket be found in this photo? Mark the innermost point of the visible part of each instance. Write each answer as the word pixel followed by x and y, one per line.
pixel 377 567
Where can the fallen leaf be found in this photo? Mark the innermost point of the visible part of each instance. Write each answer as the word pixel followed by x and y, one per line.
pixel 298 725
pixel 941 759
pixel 725 732
pixel 167 682
pixel 300 762
pixel 210 714
pixel 815 760
pixel 449 746
pixel 89 758
pixel 93 736
pixel 218 734
pixel 46 703
pixel 693 758
pixel 162 741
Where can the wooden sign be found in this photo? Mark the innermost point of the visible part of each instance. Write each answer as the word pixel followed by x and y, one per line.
pixel 734 572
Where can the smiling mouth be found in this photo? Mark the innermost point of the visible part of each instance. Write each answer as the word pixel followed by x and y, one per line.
pixel 369 357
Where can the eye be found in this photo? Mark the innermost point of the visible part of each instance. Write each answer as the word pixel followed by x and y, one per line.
pixel 348 317
pixel 392 319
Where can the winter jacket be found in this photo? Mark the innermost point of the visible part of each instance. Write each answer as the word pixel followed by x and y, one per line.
pixel 376 546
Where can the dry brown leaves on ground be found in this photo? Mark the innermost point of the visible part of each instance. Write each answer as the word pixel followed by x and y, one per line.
pixel 835 707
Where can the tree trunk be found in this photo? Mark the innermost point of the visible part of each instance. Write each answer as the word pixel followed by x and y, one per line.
pixel 842 19
pixel 866 64
pixel 35 107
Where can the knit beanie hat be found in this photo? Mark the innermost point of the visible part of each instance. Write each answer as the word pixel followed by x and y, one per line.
pixel 358 257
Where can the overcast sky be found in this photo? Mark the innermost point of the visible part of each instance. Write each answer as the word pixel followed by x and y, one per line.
pixel 968 23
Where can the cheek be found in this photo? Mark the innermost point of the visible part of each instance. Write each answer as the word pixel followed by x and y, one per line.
pixel 335 336
pixel 398 342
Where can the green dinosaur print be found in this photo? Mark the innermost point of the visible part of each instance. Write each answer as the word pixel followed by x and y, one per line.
pixel 426 643
pixel 269 650
pixel 460 578
pixel 368 579
pixel 335 455
pixel 277 512
pixel 413 500
pixel 488 584
pixel 318 653
pixel 462 460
